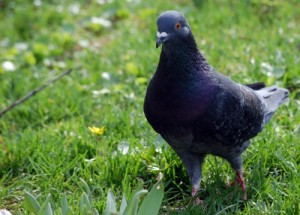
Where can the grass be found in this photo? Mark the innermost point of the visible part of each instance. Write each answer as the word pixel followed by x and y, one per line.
pixel 46 146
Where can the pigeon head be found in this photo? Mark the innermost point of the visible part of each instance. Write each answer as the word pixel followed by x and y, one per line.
pixel 173 29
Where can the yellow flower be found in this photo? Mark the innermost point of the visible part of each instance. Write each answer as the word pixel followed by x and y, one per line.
pixel 96 130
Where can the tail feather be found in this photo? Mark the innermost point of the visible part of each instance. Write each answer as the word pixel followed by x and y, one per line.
pixel 272 97
pixel 256 86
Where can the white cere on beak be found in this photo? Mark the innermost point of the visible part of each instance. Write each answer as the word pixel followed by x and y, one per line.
pixel 162 34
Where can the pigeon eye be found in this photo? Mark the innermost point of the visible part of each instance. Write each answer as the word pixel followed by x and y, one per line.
pixel 178 25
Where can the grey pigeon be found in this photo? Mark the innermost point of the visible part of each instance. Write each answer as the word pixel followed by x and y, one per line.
pixel 199 111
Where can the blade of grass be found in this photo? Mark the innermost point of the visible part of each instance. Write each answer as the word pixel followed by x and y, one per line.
pixel 152 202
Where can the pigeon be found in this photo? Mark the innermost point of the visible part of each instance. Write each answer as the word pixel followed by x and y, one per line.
pixel 199 111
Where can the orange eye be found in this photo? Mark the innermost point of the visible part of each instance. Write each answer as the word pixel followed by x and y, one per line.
pixel 178 25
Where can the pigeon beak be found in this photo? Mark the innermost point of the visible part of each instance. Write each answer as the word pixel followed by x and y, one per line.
pixel 159 41
pixel 161 38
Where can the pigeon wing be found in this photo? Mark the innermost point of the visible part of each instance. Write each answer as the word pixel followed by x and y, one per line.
pixel 234 116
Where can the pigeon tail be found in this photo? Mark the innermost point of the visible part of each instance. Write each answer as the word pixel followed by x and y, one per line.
pixel 272 97
pixel 256 86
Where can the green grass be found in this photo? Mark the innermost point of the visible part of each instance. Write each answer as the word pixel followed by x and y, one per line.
pixel 46 146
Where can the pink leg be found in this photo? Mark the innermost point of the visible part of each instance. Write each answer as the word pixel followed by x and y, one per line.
pixel 241 181
pixel 194 191
pixel 197 201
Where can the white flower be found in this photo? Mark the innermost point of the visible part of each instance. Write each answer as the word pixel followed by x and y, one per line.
pixel 8 66
pixel 103 22
pixel 21 46
pixel 4 212
pixel 74 8
pixel 83 43
pixel 267 68
pixel 105 75
pixel 37 3
pixel 123 147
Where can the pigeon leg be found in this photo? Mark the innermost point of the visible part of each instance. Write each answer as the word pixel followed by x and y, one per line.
pixel 193 163
pixel 194 191
pixel 236 164
pixel 240 179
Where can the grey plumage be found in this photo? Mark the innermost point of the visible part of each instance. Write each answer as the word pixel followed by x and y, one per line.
pixel 271 97
pixel 199 111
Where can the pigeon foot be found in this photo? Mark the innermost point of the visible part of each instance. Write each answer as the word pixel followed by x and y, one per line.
pixel 241 181
pixel 196 201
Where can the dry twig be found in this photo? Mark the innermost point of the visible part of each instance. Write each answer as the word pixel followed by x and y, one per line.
pixel 33 92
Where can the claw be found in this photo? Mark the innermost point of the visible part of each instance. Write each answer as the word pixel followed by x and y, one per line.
pixel 241 181
pixel 196 201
